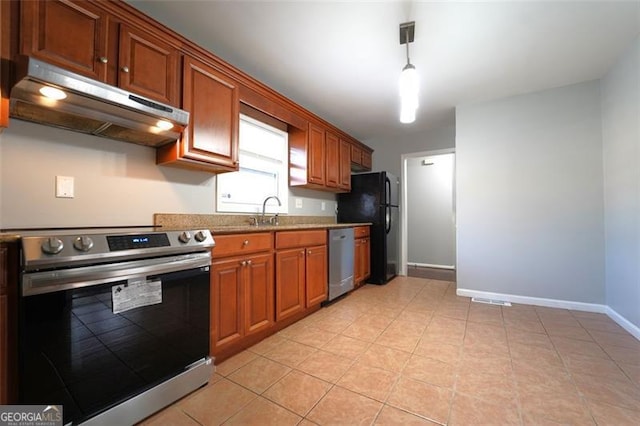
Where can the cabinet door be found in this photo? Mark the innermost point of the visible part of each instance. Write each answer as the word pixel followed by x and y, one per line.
pixel 148 66
pixel 226 303
pixel 290 280
pixel 332 169
pixel 366 258
pixel 4 352
pixel 358 261
pixel 316 153
pixel 344 181
pixel 258 295
pixel 366 160
pixel 356 156
pixel 316 275
pixel 212 100
pixel 69 34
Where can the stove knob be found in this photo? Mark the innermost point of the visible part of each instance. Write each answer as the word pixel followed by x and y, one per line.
pixel 52 245
pixel 185 237
pixel 83 243
pixel 201 236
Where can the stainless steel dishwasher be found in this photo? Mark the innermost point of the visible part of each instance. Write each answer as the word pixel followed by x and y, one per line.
pixel 341 250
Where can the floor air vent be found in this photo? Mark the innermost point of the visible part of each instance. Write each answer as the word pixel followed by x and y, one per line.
pixel 490 301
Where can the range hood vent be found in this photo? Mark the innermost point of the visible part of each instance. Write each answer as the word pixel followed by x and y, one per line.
pixel 91 106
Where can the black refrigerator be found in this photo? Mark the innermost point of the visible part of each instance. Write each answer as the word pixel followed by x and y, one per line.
pixel 374 198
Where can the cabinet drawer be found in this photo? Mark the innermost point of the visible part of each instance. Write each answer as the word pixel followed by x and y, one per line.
pixel 360 231
pixel 292 239
pixel 231 245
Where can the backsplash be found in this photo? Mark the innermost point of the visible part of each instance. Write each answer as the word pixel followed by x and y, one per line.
pixel 116 183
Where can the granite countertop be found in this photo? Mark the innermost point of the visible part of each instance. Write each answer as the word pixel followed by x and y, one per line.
pixel 229 224
pixel 9 237
pixel 220 224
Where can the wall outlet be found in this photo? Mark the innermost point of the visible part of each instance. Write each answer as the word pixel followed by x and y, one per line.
pixel 323 206
pixel 64 186
pixel 298 203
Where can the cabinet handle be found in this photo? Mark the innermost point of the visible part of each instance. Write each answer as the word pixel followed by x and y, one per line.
pixel 245 243
pixel 302 252
pixel 243 263
pixel 248 262
pixel 125 69
pixel 309 252
pixel 103 59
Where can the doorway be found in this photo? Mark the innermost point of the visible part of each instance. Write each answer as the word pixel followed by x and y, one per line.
pixel 428 241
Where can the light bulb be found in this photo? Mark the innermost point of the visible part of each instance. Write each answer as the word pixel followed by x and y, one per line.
pixel 164 125
pixel 409 84
pixel 52 93
pixel 407 114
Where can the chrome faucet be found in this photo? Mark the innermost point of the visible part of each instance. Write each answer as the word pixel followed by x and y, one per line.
pixel 264 205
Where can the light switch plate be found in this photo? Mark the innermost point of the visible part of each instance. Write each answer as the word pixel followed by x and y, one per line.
pixel 64 186
pixel 298 203
pixel 323 206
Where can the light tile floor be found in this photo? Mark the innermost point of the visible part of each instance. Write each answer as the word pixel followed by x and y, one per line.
pixel 412 352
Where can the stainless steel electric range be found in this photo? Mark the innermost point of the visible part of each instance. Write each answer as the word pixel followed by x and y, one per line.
pixel 113 324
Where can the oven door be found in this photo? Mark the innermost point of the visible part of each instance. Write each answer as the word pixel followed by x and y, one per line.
pixel 106 334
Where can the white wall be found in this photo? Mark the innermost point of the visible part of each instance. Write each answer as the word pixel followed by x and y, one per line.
pixel 389 149
pixel 116 183
pixel 529 188
pixel 621 157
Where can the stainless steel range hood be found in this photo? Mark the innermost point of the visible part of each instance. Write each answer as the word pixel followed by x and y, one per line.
pixel 91 106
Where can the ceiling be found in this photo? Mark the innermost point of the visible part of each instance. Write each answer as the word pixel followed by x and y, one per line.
pixel 342 59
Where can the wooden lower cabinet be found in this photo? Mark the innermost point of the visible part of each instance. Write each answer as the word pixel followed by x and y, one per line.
pixel 362 261
pixel 8 322
pixel 290 282
pixel 316 275
pixel 301 271
pixel 242 290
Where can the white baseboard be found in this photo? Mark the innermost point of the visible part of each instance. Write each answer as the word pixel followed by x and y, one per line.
pixel 538 301
pixel 624 323
pixel 430 265
pixel 555 303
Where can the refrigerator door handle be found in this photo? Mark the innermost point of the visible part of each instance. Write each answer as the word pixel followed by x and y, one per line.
pixel 387 191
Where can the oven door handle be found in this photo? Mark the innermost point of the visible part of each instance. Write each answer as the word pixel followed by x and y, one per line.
pixel 65 279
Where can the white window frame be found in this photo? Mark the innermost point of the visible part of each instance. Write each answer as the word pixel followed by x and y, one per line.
pixel 259 163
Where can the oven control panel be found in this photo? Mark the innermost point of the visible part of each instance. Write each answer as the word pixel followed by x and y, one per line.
pixel 83 248
pixel 137 241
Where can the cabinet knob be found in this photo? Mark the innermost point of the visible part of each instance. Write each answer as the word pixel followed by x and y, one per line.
pixel 248 262
pixel 245 243
pixel 243 263
pixel 302 252
pixel 309 252
pixel 125 69
pixel 103 59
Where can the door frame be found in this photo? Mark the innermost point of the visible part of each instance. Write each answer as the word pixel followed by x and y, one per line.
pixel 404 233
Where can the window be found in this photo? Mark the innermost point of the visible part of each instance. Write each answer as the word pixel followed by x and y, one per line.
pixel 263 171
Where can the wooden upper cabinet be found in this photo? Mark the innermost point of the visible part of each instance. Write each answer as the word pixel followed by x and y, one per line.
pixel 332 169
pixel 360 158
pixel 148 66
pixel 69 34
pixel 210 141
pixel 316 154
pixel 82 37
pixel 344 182
pixel 366 160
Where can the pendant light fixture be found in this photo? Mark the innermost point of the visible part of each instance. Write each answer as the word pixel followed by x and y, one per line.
pixel 409 84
